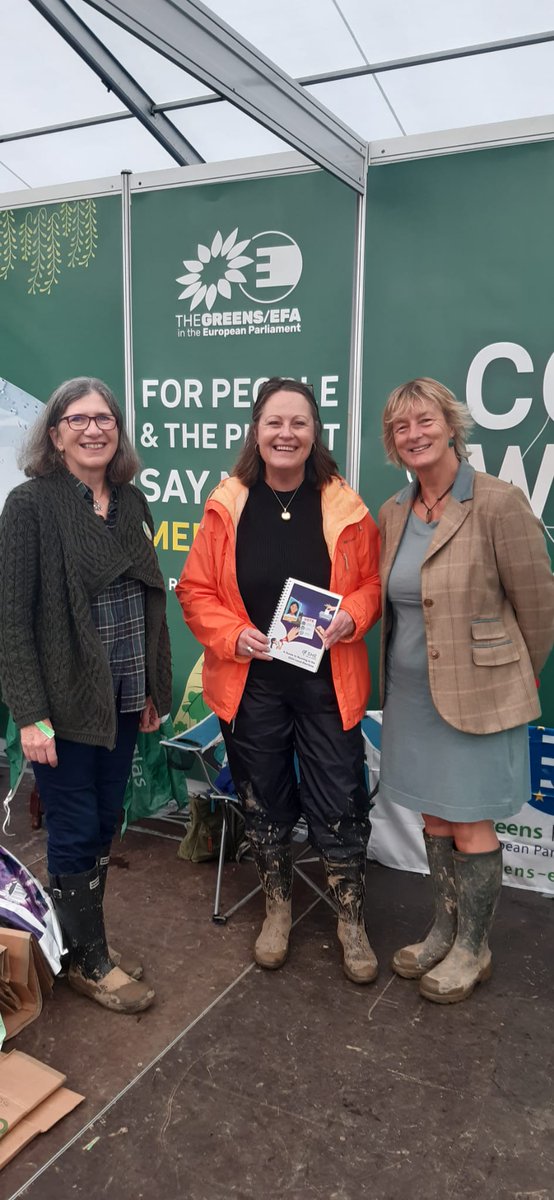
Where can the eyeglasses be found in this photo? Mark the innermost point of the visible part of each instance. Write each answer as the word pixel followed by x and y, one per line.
pixel 80 422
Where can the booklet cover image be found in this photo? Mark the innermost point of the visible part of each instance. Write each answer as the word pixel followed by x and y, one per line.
pixel 303 613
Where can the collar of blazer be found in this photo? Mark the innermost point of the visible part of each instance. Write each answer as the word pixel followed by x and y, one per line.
pixel 457 509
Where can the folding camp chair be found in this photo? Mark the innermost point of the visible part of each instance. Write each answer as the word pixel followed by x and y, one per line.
pixel 201 742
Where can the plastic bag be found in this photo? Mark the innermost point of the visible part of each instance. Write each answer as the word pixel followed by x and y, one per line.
pixel 153 783
pixel 25 905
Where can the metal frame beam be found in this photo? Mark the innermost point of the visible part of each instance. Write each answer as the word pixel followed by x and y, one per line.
pixel 398 64
pixel 74 31
pixel 192 37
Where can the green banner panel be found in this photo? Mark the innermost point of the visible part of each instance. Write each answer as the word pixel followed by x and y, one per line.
pixel 460 286
pixel 232 283
pixel 61 294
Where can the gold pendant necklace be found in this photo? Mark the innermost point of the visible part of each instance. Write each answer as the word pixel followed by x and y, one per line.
pixel 285 515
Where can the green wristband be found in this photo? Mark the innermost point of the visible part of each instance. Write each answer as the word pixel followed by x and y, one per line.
pixel 44 728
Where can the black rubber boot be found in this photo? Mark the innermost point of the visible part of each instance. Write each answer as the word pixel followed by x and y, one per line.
pixel 346 882
pixel 130 965
pixel 78 903
pixel 274 863
pixel 414 961
pixel 478 884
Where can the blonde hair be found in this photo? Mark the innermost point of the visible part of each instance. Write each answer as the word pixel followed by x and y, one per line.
pixel 415 394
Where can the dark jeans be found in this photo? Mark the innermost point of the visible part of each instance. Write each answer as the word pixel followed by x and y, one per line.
pixel 83 796
pixel 274 722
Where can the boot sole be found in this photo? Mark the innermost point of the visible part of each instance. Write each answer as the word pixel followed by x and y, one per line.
pixel 455 996
pixel 410 972
pixel 271 966
pixel 356 978
pixel 415 972
pixel 110 1000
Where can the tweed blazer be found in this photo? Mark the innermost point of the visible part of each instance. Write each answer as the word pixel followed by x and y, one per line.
pixel 487 594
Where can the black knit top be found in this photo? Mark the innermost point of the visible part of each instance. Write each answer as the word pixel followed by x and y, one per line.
pixel 269 550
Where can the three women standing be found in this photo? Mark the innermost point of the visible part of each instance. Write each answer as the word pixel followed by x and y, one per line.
pixel 285 512
pixel 468 625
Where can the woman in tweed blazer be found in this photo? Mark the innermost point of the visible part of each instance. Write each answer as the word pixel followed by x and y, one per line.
pixel 468 625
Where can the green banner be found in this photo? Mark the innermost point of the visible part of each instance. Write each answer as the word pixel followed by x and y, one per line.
pixel 61 294
pixel 232 283
pixel 460 286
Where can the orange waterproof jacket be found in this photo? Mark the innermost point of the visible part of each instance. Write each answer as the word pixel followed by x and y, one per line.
pixel 213 607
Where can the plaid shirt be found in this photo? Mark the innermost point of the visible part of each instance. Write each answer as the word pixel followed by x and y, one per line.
pixel 118 614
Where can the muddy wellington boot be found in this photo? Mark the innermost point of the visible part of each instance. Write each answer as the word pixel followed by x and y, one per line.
pixel 346 882
pixel 78 903
pixel 414 961
pixel 478 884
pixel 274 863
pixel 131 965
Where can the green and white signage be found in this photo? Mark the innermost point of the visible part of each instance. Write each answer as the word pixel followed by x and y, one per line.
pixel 232 283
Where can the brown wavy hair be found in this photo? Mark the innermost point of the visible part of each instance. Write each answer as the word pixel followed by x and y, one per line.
pixel 38 455
pixel 320 465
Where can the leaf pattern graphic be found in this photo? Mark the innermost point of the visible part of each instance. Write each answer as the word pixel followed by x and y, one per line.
pixel 238 249
pixel 241 261
pixel 190 291
pixel 8 243
pixel 199 297
pixel 232 254
pixel 216 245
pixel 41 234
pixel 229 241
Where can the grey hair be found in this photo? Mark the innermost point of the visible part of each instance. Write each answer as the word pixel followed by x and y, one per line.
pixel 415 394
pixel 38 455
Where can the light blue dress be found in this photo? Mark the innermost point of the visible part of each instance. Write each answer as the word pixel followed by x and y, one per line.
pixel 426 764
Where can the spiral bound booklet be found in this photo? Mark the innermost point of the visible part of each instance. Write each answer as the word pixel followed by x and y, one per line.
pixel 303 613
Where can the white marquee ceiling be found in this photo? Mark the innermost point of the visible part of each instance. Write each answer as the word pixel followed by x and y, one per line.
pixel 44 83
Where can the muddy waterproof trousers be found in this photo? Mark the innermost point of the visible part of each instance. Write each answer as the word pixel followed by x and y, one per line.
pixel 289 757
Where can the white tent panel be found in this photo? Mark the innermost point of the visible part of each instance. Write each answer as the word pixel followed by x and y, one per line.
pixel 301 36
pixel 360 104
pixel 390 29
pixel 220 131
pixel 89 153
pixel 473 91
pixel 42 80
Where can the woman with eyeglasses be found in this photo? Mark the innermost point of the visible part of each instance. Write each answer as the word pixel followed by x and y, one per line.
pixel 286 512
pixel 84 655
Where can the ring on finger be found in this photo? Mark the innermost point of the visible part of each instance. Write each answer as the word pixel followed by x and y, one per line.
pixel 250 649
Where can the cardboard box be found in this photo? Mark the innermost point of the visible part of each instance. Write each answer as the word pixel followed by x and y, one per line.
pixel 4 962
pixel 39 1120
pixel 28 979
pixel 24 1083
pixel 32 1099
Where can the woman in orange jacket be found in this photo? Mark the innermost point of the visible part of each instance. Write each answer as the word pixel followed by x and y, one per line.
pixel 286 512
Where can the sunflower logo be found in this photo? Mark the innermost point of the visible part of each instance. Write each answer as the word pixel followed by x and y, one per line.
pixel 214 269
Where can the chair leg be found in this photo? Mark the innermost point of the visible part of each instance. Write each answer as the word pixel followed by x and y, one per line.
pixel 217 918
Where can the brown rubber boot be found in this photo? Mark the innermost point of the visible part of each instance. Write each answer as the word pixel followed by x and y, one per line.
pixel 78 902
pixel 129 964
pixel 414 961
pixel 347 885
pixel 478 884
pixel 274 863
